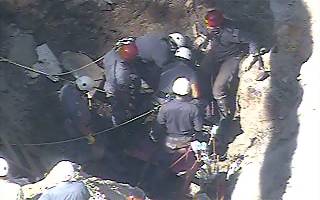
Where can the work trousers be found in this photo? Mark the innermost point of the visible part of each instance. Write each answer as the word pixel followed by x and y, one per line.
pixel 227 71
pixel 120 106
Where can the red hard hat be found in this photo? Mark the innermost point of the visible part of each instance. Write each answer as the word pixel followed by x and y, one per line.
pixel 128 52
pixel 213 18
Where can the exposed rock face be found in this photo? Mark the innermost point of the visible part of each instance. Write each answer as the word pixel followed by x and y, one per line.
pixel 304 183
pixel 269 109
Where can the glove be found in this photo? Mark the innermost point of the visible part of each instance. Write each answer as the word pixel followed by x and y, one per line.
pixel 197 146
pixel 91 139
pixel 199 41
pixel 153 136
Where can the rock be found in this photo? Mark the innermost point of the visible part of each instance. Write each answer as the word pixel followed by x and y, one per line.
pixel 73 61
pixel 47 62
pixel 22 49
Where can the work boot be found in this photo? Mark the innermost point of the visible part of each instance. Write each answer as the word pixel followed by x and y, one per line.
pixel 223 108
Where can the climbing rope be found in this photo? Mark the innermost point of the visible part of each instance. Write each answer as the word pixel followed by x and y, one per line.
pixel 85 137
pixel 80 68
pixel 2 59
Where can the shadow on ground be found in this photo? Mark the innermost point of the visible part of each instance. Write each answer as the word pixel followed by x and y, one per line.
pixel 294 47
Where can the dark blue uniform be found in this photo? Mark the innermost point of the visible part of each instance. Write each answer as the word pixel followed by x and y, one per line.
pixel 117 84
pixel 180 117
pixel 75 106
pixel 221 63
pixel 66 191
pixel 154 52
pixel 181 120
pixel 175 70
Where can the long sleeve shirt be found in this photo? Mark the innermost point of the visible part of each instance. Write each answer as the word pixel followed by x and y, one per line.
pixel 175 70
pixel 153 47
pixel 230 41
pixel 117 73
pixel 67 191
pixel 180 117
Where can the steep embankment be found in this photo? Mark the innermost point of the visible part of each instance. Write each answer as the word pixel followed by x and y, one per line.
pixel 304 183
pixel 271 111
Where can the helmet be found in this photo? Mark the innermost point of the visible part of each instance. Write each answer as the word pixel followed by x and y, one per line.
pixel 183 52
pixel 63 171
pixel 213 19
pixel 85 83
pixel 181 86
pixel 4 167
pixel 178 39
pixel 127 48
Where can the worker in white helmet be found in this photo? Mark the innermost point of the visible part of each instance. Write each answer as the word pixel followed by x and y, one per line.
pixel 8 190
pixel 66 187
pixel 179 118
pixel 182 66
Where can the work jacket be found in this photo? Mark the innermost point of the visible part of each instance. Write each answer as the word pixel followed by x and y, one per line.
pixel 66 191
pixel 180 117
pixel 154 47
pixel 117 73
pixel 230 42
pixel 175 70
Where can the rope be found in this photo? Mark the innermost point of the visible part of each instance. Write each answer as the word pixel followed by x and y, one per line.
pixel 180 158
pixel 84 137
pixel 2 59
pixel 80 68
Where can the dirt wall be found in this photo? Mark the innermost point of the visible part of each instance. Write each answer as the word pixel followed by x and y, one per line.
pixel 269 110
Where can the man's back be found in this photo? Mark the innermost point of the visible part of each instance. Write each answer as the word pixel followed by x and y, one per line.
pixel 67 191
pixel 180 117
pixel 153 48
pixel 175 70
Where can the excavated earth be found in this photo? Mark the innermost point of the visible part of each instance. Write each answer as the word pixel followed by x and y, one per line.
pixel 30 110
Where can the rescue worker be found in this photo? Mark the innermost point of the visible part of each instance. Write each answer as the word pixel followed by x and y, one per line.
pixel 225 46
pixel 65 187
pixel 181 67
pixel 8 190
pixel 76 107
pixel 180 118
pixel 181 122
pixel 118 68
pixel 155 50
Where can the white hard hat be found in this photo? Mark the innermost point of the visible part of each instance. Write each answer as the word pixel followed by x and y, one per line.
pixel 85 83
pixel 4 167
pixel 63 171
pixel 183 52
pixel 178 39
pixel 181 86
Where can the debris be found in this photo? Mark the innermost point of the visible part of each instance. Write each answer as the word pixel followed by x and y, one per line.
pixel 234 167
pixel 47 62
pixel 73 61
pixel 22 49
pixel 263 75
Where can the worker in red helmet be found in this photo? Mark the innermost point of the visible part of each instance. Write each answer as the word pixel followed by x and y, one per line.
pixel 118 67
pixel 214 19
pixel 224 46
